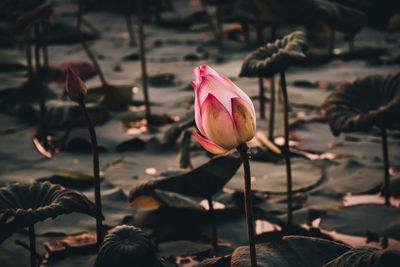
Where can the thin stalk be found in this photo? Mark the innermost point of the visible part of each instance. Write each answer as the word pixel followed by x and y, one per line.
pixel 32 245
pixel 210 21
pixel 38 83
pixel 243 151
pixel 351 45
pixel 28 52
pixel 214 236
pixel 88 51
pixel 331 41
pixel 271 110
pixel 44 44
pixel 96 173
pixel 272 96
pixel 129 25
pixel 91 27
pixel 259 35
pixel 143 60
pixel 286 147
pixel 386 184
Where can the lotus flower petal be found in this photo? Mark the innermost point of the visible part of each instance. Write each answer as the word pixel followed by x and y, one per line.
pixel 243 118
pixel 218 123
pixel 209 146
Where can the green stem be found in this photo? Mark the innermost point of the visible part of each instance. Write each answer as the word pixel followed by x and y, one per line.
pixel 386 184
pixel 38 83
pixel 32 245
pixel 44 44
pixel 286 147
pixel 143 60
pixel 214 236
pixel 243 151
pixel 96 173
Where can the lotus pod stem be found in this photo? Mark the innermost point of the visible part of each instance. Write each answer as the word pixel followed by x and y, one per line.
pixel 214 235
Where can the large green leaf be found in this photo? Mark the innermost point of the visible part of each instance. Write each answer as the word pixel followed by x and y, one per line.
pixel 270 177
pixel 203 181
pixel 290 251
pixel 366 257
pixel 358 220
pixel 368 101
pixel 275 57
pixel 22 205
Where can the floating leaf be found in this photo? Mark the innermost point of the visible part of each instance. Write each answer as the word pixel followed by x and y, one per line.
pixel 275 57
pixel 127 245
pixel 368 101
pixel 22 205
pixel 163 80
pixel 357 220
pixel 269 177
pixel 119 94
pixel 291 251
pixel 366 257
pixel 203 181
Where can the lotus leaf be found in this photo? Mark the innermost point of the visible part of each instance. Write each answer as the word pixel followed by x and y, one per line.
pixel 22 205
pixel 275 57
pixel 368 101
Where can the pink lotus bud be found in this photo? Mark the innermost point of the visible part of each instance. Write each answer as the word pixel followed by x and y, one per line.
pixel 76 89
pixel 224 114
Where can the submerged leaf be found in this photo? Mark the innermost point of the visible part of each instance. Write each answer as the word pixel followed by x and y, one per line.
pixel 366 257
pixel 127 245
pixel 22 205
pixel 368 101
pixel 275 57
pixel 203 181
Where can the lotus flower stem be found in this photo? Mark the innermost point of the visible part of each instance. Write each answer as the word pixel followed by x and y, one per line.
pixel 143 60
pixel 386 184
pixel 132 39
pixel 243 151
pixel 28 52
pixel 96 173
pixel 32 245
pixel 88 51
pixel 286 147
pixel 214 235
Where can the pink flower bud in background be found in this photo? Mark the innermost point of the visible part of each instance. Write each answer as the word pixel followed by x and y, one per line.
pixel 75 87
pixel 224 114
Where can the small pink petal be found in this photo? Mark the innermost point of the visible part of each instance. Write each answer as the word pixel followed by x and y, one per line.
pixel 208 145
pixel 245 122
pixel 218 123
pixel 239 92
